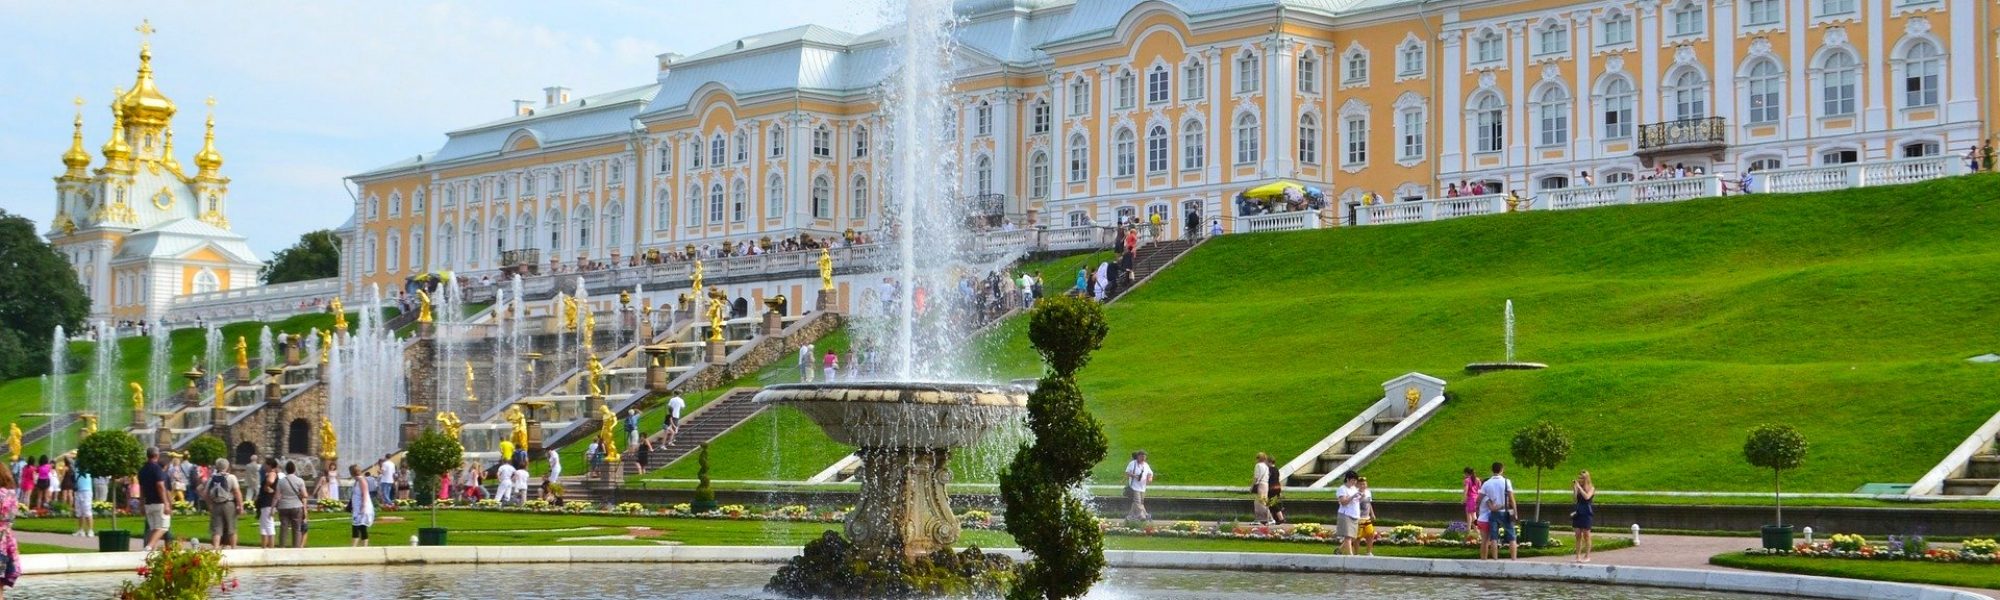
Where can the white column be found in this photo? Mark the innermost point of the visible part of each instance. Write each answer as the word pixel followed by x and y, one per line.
pixel 1280 124
pixel 799 179
pixel 1058 143
pixel 1102 94
pixel 1582 126
pixel 1962 62
pixel 1647 79
pixel 756 178
pixel 1450 142
pixel 1798 98
pixel 1517 92
pixel 1217 118
pixel 1006 137
pixel 100 292
pixel 1724 71
pixel 1875 106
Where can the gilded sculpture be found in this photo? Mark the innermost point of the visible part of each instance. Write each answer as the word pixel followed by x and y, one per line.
pixel 569 312
pixel 607 422
pixel 449 423
pixel 329 442
pixel 423 307
pixel 714 321
pixel 1413 396
pixel 519 422
pixel 339 316
pixel 219 398
pixel 325 347
pixel 825 269
pixel 13 442
pixel 470 397
pixel 695 286
pixel 625 298
pixel 596 378
pixel 139 402
pixel 242 355
pixel 589 330
pixel 89 423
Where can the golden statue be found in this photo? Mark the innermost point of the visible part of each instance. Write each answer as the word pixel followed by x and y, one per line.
pixel 448 421
pixel 825 269
pixel 607 422
pixel 714 321
pixel 89 423
pixel 1413 397
pixel 325 347
pixel 339 315
pixel 520 423
pixel 624 297
pixel 242 355
pixel 646 307
pixel 589 330
pixel 470 397
pixel 423 307
pixel 596 378
pixel 219 401
pixel 569 312
pixel 139 403
pixel 329 443
pixel 696 286
pixel 13 442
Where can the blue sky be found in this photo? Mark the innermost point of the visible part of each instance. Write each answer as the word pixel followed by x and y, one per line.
pixel 310 92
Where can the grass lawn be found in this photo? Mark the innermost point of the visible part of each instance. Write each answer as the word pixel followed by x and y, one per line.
pixel 1951 574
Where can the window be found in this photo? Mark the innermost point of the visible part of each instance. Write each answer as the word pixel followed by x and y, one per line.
pixel 500 187
pixel 1552 39
pixel 1357 67
pixel 1412 123
pixel 1766 89
pixel 618 172
pixel 694 154
pixel 1487 49
pixel 982 175
pixel 739 201
pixel 1766 164
pixel 693 202
pixel 1838 77
pixel 1079 96
pixel 478 193
pixel 551 221
pixel 1762 12
pixel 584 172
pixel 861 142
pixel 1041 117
pixel 1690 95
pixel 395 254
pixel 1836 7
pixel 614 225
pixel 774 196
pixel 1920 149
pixel 822 142
pixel 1248 79
pixel 1410 59
pixel 1158 85
pixel 529 182
pixel 1079 159
pixel 206 281
pixel 527 233
pixel 1689 19
pixel 777 141
pixel 742 141
pixel 1194 146
pixel 473 251
pixel 857 203
pixel 660 210
pixel 665 159
pixel 1247 134
pixel 446 244
pixel 1122 150
pixel 1126 90
pixel 1620 177
pixel 1309 73
pixel 1839 157
pixel 1194 80
pixel 395 204
pixel 500 232
pixel 416 202
pixel 1921 69
pixel 1156 149
pixel 1038 176
pixel 822 198
pixel 417 251
pixel 715 203
pixel 1357 140
pixel 1617 29
pixel 1618 103
pixel 982 118
pixel 1079 219
pixel 1554 117
pixel 1489 127
pixel 1309 139
pixel 583 224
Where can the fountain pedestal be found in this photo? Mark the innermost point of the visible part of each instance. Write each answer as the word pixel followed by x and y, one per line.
pixel 425 330
pixel 274 388
pixel 905 509
pixel 774 323
pixel 243 375
pixel 656 368
pixel 163 437
pixel 716 354
pixel 824 302
pixel 292 352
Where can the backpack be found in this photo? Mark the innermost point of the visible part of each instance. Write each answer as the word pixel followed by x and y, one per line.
pixel 217 492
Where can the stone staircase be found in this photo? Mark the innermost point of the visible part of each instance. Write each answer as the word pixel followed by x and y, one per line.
pixel 1151 259
pixel 1982 477
pixel 702 426
pixel 1341 452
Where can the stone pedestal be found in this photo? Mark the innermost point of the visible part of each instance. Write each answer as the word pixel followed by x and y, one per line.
pixel 906 509
pixel 590 405
pixel 645 328
pixel 407 433
pixel 656 368
pixel 534 436
pixel 243 375
pixel 773 323
pixel 218 418
pixel 292 356
pixel 192 393
pixel 274 380
pixel 163 438
pixel 717 355
pixel 425 330
pixel 825 301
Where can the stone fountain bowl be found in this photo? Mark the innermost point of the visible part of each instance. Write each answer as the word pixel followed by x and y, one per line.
pixel 903 415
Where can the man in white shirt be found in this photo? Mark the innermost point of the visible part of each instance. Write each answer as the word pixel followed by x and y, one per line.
pixel 674 407
pixel 1027 290
pixel 387 495
pixel 1496 515
pixel 520 485
pixel 1348 525
pixel 504 490
pixel 555 464
pixel 806 363
pixel 1260 488
pixel 1137 474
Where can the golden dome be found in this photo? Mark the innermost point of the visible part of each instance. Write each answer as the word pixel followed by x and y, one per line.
pixel 116 150
pixel 77 159
pixel 144 105
pixel 208 159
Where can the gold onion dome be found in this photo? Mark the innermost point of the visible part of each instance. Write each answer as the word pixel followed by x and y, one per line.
pixel 116 150
pixel 208 159
pixel 77 159
pixel 144 105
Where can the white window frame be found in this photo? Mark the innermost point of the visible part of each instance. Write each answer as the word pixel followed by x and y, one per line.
pixel 1411 57
pixel 1079 96
pixel 1249 134
pixel 1194 145
pixel 982 119
pixel 1126 90
pixel 1411 123
pixel 1249 72
pixel 1688 19
pixel 1157 149
pixel 1079 159
pixel 1038 175
pixel 1354 132
pixel 1124 150
pixel 1552 117
pixel 1764 98
pixel 1194 80
pixel 1551 39
pixel 1616 29
pixel 1159 85
pixel 1622 104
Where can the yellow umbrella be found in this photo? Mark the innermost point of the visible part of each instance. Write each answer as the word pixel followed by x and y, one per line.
pixel 1271 190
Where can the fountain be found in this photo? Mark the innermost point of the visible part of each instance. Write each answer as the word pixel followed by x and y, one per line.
pixel 365 376
pixel 1508 339
pixel 159 366
pixel 104 390
pixel 55 387
pixel 267 349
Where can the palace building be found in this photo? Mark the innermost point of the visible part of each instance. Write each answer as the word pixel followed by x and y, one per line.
pixel 1078 112
pixel 139 229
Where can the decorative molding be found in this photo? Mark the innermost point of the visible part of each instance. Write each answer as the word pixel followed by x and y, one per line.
pixel 1917 26
pixel 1614 64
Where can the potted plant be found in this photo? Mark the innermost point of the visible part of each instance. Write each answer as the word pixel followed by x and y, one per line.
pixel 114 454
pixel 704 495
pixel 1541 446
pixel 429 457
pixel 1778 448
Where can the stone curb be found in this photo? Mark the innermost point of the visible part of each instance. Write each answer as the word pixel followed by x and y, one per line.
pixel 1688 579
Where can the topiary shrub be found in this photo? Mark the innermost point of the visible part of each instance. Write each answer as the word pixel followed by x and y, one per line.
pixel 206 449
pixel 1541 446
pixel 1046 519
pixel 704 494
pixel 1778 448
pixel 111 453
pixel 429 457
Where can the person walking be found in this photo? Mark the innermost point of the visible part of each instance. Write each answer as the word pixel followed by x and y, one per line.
pixel 153 496
pixel 675 405
pixel 291 505
pixel 1367 526
pixel 266 503
pixel 387 483
pixel 177 478
pixel 806 363
pixel 1497 510
pixel 555 464
pixel 504 491
pixel 1471 500
pixel 644 454
pixel 86 518
pixel 631 428
pixel 1347 525
pixel 224 494
pixel 10 551
pixel 832 365
pixel 360 508
pixel 1585 512
pixel 1138 474
pixel 520 483
pixel 1260 490
pixel 1277 494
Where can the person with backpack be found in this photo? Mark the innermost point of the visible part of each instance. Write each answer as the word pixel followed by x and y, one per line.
pixel 631 428
pixel 225 503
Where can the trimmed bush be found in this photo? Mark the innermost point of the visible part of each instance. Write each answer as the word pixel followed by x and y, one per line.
pixel 1043 516
pixel 1779 448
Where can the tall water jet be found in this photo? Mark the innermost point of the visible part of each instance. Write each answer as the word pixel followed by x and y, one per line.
pixel 159 368
pixel 267 349
pixel 366 382
pixel 1510 330
pixel 55 388
pixel 104 390
pixel 1507 337
pixel 212 360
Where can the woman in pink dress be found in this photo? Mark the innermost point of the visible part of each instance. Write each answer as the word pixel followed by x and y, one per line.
pixel 10 552
pixel 28 475
pixel 1471 499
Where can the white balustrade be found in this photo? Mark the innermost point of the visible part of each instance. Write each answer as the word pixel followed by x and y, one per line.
pixel 1587 197
pixel 1809 179
pixel 1284 221
pixel 1676 189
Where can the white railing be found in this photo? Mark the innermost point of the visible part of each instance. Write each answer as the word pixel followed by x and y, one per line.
pixel 1677 189
pixel 1284 221
pixel 1836 177
pixel 1811 179
pixel 1432 210
pixel 1588 197
pixel 260 302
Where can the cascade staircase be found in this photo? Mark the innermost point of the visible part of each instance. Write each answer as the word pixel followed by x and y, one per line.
pixel 1982 477
pixel 1341 452
pixel 704 425
pixel 1151 259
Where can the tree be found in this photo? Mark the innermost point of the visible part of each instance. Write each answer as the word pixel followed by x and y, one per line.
pixel 1778 448
pixel 704 494
pixel 429 457
pixel 1043 516
pixel 206 449
pixel 1542 446
pixel 315 256
pixel 111 453
pixel 38 292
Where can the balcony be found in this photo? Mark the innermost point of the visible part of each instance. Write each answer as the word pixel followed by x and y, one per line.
pixel 987 210
pixel 524 261
pixel 1685 136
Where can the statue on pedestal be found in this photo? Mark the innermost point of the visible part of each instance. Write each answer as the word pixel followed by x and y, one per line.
pixel 89 423
pixel 569 313
pixel 695 286
pixel 607 422
pixel 423 307
pixel 242 355
pixel 470 397
pixel 714 321
pixel 325 347
pixel 13 442
pixel 596 377
pixel 520 424
pixel 329 442
pixel 139 403
pixel 825 269
pixel 219 398
pixel 449 423
pixel 339 316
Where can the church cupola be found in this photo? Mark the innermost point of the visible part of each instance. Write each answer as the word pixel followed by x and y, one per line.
pixel 209 160
pixel 77 159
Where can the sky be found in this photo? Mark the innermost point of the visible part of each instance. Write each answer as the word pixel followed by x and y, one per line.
pixel 308 93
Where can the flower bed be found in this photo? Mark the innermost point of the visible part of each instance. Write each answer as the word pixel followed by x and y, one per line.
pixel 1854 547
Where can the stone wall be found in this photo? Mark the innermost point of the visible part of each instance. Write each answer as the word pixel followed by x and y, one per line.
pixel 269 428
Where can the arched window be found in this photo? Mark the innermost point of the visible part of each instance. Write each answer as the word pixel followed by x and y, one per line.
pixel 822 142
pixel 1766 88
pixel 447 245
pixel 1079 159
pixel 1248 72
pixel 715 203
pixel 718 150
pixel 1553 122
pixel 693 153
pixel 1838 74
pixel 822 198
pixel 552 221
pixel 1122 151
pixel 1038 175
pixel 500 232
pixel 1247 134
pixel 395 251
pixel 1690 95
pixel 739 201
pixel 395 204
pixel 584 220
pixel 1156 149
pixel 777 140
pixel 666 158
pixel 1488 124
pixel 1194 145
pixel 1922 69
pixel 1194 80
pixel 742 146
pixel 1309 71
pixel 774 196
pixel 1617 109
pixel 526 221
pixel 417 202
pixel 614 224
pixel 982 173
pixel 660 208
pixel 861 142
pixel 374 207
pixel 473 251
pixel 1158 85
pixel 857 202
pixel 1309 139
pixel 982 118
pixel 417 261
pixel 693 202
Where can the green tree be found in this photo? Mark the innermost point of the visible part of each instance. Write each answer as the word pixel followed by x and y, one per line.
pixel 704 494
pixel 205 449
pixel 1778 448
pixel 38 291
pixel 1541 446
pixel 315 256
pixel 111 453
pixel 429 457
pixel 1042 515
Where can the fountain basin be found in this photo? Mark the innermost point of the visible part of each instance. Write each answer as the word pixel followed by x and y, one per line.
pixel 903 415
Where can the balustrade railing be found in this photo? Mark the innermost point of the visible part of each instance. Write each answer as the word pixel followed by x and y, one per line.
pixel 1684 132
pixel 1284 221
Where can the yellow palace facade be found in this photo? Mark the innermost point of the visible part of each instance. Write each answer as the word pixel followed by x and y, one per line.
pixel 1078 112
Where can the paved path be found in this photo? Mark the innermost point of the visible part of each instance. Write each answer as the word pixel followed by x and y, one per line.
pixel 56 539
pixel 1681 552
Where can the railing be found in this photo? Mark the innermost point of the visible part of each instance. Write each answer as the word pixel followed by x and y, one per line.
pixel 1837 177
pixel 1432 210
pixel 1685 132
pixel 1284 221
pixel 264 301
